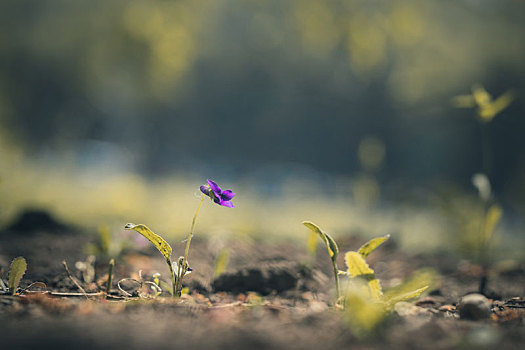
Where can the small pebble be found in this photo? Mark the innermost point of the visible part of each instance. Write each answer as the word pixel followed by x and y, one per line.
pixel 474 307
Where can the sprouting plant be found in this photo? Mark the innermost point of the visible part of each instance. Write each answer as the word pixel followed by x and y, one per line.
pixel 490 217
pixel 181 267
pixel 16 271
pixel 110 244
pixel 163 247
pixel 486 107
pixel 333 251
pixel 217 195
pixel 365 303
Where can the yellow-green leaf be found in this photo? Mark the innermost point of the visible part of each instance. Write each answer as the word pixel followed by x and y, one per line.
pixel 371 245
pixel 357 267
pixel 492 219
pixel 488 111
pixel 311 245
pixel 419 281
pixel 221 262
pixel 16 271
pixel 404 297
pixel 363 313
pixel 163 246
pixel 332 247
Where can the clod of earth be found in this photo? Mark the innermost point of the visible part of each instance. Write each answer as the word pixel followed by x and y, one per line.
pixel 276 277
pixel 474 307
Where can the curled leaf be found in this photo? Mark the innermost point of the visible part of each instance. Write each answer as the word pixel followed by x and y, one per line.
pixel 163 246
pixel 332 247
pixel 16 271
pixel 371 245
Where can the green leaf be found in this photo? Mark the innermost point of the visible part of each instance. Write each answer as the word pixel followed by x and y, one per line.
pixel 163 246
pixel 492 219
pixel 221 262
pixel 404 297
pixel 16 271
pixel 371 245
pixel 357 267
pixel 311 245
pixel 362 312
pixel 419 282
pixel 332 247
pixel 165 286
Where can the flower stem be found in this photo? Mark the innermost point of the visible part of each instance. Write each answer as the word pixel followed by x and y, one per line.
pixel 173 283
pixel 110 275
pixel 188 242
pixel 336 276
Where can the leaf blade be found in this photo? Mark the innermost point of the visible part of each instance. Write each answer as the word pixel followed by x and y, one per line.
pixel 16 271
pixel 372 245
pixel 163 247
pixel 357 267
pixel 331 245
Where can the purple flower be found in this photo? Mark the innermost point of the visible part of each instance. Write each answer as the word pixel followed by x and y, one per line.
pixel 219 196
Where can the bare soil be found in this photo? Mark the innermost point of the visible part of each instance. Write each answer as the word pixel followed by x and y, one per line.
pixel 267 299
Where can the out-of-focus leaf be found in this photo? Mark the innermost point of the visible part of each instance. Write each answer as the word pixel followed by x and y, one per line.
pixel 493 217
pixel 371 245
pixel 357 267
pixel 104 234
pixel 480 95
pixel 163 246
pixel 166 286
pixel 463 101
pixel 391 301
pixel 482 184
pixel 16 271
pixel 422 279
pixel 311 245
pixel 488 111
pixel 221 262
pixel 332 247
pixel 362 313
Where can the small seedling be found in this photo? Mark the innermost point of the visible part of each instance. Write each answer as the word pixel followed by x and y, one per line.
pixel 110 244
pixel 365 303
pixel 182 267
pixel 332 248
pixel 485 105
pixel 490 218
pixel 16 271
pixel 163 247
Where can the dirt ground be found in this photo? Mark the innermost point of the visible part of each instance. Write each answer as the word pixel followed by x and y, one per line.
pixel 266 299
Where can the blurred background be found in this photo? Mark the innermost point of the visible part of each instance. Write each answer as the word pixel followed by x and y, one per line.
pixel 339 112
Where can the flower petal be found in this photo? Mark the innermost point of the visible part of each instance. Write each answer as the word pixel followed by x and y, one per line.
pixel 214 187
pixel 205 189
pixel 227 195
pixel 226 204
